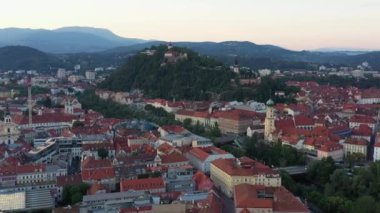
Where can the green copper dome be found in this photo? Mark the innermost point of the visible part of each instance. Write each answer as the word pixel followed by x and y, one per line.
pixel 270 102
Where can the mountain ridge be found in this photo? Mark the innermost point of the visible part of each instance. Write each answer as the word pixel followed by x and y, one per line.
pixel 65 40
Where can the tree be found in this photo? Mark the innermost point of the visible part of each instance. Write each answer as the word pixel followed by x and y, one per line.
pixel 102 153
pixel 76 198
pixel 237 152
pixel 365 204
pixel 73 194
pixel 46 102
pixel 337 204
pixel 355 157
pixel 214 131
pixel 319 171
pixel 187 123
pixel 78 124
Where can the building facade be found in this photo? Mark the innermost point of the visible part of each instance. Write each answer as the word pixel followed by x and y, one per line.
pixel 227 173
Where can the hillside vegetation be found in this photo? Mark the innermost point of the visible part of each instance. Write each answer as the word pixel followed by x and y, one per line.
pixel 196 77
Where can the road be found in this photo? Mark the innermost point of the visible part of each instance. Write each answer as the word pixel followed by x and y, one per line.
pixel 294 170
pixel 228 203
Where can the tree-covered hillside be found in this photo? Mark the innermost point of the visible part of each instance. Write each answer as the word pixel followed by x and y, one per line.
pixel 195 77
pixel 20 57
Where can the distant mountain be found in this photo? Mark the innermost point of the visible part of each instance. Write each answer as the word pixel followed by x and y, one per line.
pixel 101 32
pixel 20 57
pixel 65 40
pixel 342 49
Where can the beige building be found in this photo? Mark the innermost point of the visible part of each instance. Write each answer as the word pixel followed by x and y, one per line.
pixel 201 117
pixel 354 145
pixel 9 132
pixel 227 173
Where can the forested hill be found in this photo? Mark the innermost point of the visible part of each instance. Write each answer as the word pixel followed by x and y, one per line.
pixel 21 57
pixel 194 77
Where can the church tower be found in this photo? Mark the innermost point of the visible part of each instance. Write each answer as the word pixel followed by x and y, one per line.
pixel 269 120
pixel 69 108
pixel 236 68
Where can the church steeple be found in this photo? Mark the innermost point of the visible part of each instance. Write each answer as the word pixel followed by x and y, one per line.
pixel 7 114
pixel 269 120
pixel 236 68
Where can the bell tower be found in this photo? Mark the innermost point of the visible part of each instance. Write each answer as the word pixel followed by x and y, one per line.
pixel 269 120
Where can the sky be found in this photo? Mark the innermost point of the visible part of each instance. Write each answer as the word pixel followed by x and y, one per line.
pixel 292 24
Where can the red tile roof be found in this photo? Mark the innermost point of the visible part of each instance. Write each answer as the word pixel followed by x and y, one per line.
pixel 202 181
pixel 45 118
pixel 283 124
pixel 165 148
pixel 243 166
pixel 145 184
pixel 362 119
pixel 203 153
pixel 371 93
pixel 97 169
pixel 356 141
pixel 278 199
pixel 330 147
pixel 362 130
pixel 301 120
pixel 173 128
pixel 173 157
pixel 96 146
pixel 237 114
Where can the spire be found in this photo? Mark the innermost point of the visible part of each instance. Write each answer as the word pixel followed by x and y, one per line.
pixel 6 113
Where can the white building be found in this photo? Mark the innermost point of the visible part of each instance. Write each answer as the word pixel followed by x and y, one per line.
pixel 90 75
pixel 61 73
pixel 376 152
pixel 9 132
pixel 265 72
pixel 201 158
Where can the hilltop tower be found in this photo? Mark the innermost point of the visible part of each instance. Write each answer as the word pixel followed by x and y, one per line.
pixel 269 120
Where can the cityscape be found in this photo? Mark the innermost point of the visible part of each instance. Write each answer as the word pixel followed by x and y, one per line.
pixel 93 121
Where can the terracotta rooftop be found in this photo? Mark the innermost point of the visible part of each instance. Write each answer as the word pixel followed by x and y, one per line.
pixel 243 166
pixel 278 199
pixel 356 141
pixel 362 119
pixel 173 157
pixel 301 120
pixel 142 184
pixel 362 130
pixel 173 128
pixel 203 153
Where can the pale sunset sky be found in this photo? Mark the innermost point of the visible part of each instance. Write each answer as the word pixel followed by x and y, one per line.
pixel 293 24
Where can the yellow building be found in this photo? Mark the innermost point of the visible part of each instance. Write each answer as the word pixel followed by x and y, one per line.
pixel 269 120
pixel 355 145
pixel 227 173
